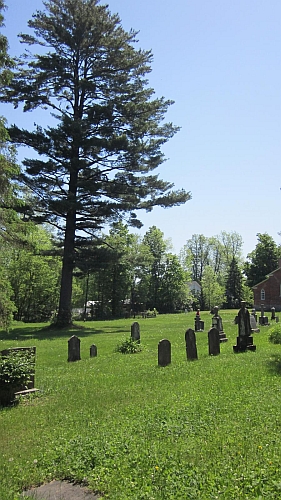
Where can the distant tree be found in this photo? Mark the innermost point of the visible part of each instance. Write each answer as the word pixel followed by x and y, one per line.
pixel 261 261
pixel 34 277
pixel 174 292
pixel 95 164
pixel 157 246
pixel 234 285
pixel 198 251
pixel 213 293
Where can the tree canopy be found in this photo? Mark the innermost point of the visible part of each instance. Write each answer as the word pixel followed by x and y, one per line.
pixel 96 160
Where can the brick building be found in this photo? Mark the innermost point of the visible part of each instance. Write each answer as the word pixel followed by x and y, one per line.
pixel 268 291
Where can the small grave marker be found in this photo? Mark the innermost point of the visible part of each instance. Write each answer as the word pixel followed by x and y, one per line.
pixel 93 351
pixel 74 349
pixel 190 345
pixel 135 331
pixel 214 341
pixel 164 352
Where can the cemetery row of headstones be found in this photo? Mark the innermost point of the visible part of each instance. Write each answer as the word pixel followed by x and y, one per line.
pixel 216 335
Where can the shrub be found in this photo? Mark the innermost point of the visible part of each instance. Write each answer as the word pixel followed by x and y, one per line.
pixel 16 369
pixel 275 334
pixel 128 346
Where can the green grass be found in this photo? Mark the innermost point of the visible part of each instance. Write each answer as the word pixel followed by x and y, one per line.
pixel 203 429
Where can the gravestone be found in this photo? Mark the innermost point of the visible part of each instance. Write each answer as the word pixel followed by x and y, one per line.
pixel 199 324
pixel 74 349
pixel 217 323
pixel 254 314
pixel 253 323
pixel 93 351
pixel 263 320
pixel 214 342
pixel 164 352
pixel 135 331
pixel 244 339
pixel 190 345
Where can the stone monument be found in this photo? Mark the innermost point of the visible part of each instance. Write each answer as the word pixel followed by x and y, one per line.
pixel 199 324
pixel 244 339
pixel 263 320
pixel 217 323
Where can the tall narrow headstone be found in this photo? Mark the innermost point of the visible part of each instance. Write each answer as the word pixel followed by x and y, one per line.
pixel 190 345
pixel 244 339
pixel 164 352
pixel 93 351
pixel 263 320
pixel 74 349
pixel 214 342
pixel 135 331
pixel 217 323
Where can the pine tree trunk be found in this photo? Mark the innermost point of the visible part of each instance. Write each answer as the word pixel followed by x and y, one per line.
pixel 65 315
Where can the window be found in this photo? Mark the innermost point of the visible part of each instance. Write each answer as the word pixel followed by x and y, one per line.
pixel 262 294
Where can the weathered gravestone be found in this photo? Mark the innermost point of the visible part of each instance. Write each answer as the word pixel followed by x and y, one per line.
pixel 199 324
pixel 244 339
pixel 253 323
pixel 164 352
pixel 93 351
pixel 254 314
pixel 135 332
pixel 190 345
pixel 217 323
pixel 273 315
pixel 263 320
pixel 214 342
pixel 74 349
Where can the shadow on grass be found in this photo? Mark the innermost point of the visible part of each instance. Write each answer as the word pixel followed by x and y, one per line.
pixel 51 333
pixel 274 364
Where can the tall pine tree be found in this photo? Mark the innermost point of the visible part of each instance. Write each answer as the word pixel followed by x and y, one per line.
pixel 95 163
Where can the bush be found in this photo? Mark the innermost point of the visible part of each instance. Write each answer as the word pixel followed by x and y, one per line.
pixel 16 369
pixel 275 334
pixel 128 346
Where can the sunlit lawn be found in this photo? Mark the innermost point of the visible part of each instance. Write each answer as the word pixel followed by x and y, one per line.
pixel 129 429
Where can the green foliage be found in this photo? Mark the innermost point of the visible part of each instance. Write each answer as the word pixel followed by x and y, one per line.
pixel 275 334
pixel 95 163
pixel 263 260
pixel 234 287
pixel 16 368
pixel 128 346
pixel 213 293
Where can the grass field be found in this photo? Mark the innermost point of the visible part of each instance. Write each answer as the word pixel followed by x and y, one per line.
pixel 205 429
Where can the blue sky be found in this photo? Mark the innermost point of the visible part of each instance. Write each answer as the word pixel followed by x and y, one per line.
pixel 219 61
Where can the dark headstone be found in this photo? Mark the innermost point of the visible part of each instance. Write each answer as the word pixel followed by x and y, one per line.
pixel 135 331
pixel 217 323
pixel 244 339
pixel 190 344
pixel 199 324
pixel 214 342
pixel 93 351
pixel 164 352
pixel 273 317
pixel 74 349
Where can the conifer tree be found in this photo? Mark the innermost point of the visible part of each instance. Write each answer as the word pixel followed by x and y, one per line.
pixel 97 158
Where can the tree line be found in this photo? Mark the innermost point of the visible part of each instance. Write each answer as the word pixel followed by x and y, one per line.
pixel 95 165
pixel 123 274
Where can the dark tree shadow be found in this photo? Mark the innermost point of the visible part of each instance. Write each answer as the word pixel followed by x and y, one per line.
pixel 51 333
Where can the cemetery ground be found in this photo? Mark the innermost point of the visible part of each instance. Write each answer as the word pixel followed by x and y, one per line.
pixel 128 429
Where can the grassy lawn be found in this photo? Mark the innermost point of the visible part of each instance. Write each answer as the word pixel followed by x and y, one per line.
pixel 204 429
